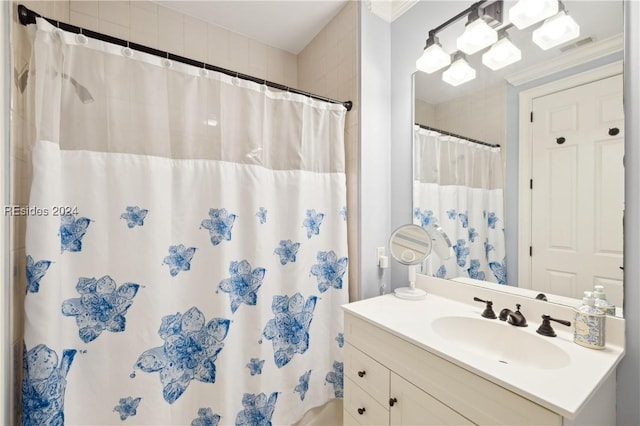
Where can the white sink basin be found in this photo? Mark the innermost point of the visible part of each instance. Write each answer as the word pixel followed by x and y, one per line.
pixel 502 342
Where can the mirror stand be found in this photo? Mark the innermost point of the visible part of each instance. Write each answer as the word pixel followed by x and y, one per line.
pixel 411 292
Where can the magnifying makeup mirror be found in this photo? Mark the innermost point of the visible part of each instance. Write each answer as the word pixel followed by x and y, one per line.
pixel 411 245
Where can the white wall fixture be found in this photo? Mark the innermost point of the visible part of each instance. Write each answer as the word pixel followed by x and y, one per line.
pixel 476 36
pixel 501 54
pixel 459 72
pixel 528 12
pixel 433 58
pixel 485 29
pixel 556 30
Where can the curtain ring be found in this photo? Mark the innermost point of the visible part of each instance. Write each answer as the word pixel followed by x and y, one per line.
pixel 263 88
pixel 81 38
pixel 166 62
pixel 236 79
pixel 126 51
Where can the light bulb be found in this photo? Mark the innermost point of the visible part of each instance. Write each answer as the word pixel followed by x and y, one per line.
pixel 476 36
pixel 459 72
pixel 556 30
pixel 501 54
pixel 433 59
pixel 528 12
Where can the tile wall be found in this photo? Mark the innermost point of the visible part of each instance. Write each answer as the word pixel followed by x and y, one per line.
pixel 328 67
pixel 479 115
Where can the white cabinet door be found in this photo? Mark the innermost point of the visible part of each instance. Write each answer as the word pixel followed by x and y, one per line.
pixel 412 406
pixel 578 190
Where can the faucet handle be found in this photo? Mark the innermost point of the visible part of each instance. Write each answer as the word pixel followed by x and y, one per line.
pixel 488 310
pixel 545 328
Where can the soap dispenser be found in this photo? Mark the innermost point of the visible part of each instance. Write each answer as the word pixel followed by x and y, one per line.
pixel 589 324
pixel 601 301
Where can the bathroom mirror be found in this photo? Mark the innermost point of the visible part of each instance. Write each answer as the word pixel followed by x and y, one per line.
pixel 489 109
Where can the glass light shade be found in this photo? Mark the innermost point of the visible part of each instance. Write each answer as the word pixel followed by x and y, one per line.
pixel 476 36
pixel 459 72
pixel 501 54
pixel 528 12
pixel 433 59
pixel 556 30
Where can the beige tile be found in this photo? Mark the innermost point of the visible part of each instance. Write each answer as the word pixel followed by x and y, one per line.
pixel 114 30
pixel 171 31
pixel 147 5
pixel 218 46
pixel 331 88
pixel 144 25
pixel 44 8
pixel 91 8
pixel 195 39
pixel 61 11
pixel 275 65
pixel 84 21
pixel 258 58
pixel 239 52
pixel 116 12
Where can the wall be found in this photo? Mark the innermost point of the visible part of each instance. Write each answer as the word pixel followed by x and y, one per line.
pixel 375 92
pixel 328 66
pixel 480 114
pixel 408 34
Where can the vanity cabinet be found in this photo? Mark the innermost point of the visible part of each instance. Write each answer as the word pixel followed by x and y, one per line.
pixel 389 380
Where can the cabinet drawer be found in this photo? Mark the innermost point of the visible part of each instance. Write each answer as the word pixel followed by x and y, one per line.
pixel 370 375
pixel 371 412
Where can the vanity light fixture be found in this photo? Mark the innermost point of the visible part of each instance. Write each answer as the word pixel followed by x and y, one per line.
pixel 556 30
pixel 528 12
pixel 434 57
pixel 477 35
pixel 502 53
pixel 459 72
pixel 485 28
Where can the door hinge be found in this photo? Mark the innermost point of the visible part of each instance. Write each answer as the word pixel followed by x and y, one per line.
pixel 530 183
pixel 530 251
pixel 531 117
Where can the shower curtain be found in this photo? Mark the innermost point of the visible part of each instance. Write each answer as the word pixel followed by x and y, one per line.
pixel 186 263
pixel 458 185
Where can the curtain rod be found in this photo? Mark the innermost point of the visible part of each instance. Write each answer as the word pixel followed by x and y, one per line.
pixel 444 132
pixel 28 16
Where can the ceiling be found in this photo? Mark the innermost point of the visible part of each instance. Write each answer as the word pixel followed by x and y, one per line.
pixel 288 25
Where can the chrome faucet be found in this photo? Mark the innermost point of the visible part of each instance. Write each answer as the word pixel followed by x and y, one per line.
pixel 514 318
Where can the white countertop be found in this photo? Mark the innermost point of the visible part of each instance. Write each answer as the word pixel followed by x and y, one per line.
pixel 564 390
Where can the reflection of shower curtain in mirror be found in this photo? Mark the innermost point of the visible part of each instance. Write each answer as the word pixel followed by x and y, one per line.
pixel 192 264
pixel 458 185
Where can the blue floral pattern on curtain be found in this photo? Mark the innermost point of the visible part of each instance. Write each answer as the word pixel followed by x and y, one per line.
pixel 201 275
pixel 459 188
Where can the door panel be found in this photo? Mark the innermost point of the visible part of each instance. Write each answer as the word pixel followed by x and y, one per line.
pixel 578 190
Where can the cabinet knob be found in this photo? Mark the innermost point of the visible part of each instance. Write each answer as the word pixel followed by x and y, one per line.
pixel 361 411
pixel 362 373
pixel 392 401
